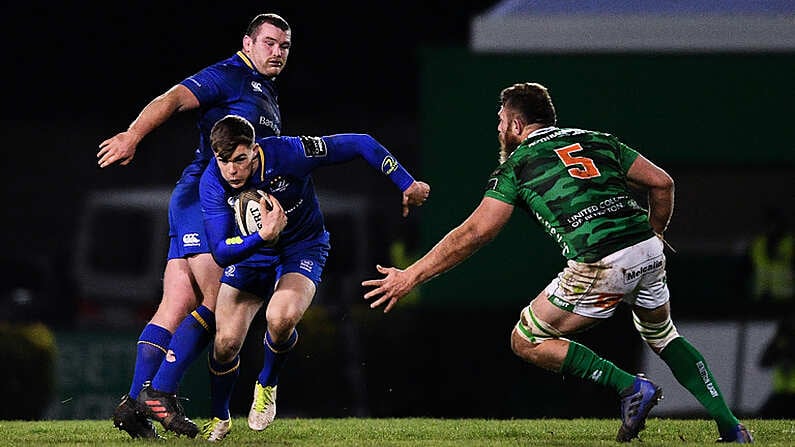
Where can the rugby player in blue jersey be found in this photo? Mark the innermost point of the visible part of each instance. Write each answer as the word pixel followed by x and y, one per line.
pixel 242 85
pixel 282 263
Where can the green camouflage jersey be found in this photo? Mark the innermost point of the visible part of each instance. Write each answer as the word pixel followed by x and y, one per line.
pixel 574 183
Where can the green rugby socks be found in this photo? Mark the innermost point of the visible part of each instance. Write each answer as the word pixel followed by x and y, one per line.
pixel 691 370
pixel 582 362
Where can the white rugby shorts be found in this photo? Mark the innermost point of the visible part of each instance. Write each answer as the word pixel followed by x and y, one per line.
pixel 635 275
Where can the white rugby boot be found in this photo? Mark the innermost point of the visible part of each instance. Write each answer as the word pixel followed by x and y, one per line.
pixel 263 408
pixel 216 429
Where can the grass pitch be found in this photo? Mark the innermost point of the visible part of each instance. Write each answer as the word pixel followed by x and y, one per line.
pixel 405 432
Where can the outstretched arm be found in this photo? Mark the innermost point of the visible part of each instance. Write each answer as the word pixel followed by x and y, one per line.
pixel 459 244
pixel 660 187
pixel 345 147
pixel 121 147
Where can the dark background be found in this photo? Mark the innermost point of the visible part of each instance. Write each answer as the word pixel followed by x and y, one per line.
pixel 75 74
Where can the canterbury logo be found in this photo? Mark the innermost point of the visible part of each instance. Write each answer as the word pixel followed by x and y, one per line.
pixel 191 239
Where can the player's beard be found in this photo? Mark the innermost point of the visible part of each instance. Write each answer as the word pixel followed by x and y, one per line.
pixel 508 144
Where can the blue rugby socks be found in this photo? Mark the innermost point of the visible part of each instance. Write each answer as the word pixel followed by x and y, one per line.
pixel 275 356
pixel 190 339
pixel 222 381
pixel 152 345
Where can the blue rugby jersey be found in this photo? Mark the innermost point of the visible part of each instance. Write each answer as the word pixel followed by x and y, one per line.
pixel 234 87
pixel 286 164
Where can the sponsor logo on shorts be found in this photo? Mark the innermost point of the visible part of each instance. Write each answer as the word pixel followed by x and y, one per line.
pixel 229 272
pixel 635 272
pixel 561 303
pixel 388 165
pixel 191 240
pixel 306 264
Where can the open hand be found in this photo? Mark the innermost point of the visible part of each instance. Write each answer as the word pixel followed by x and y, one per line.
pixel 118 149
pixel 390 289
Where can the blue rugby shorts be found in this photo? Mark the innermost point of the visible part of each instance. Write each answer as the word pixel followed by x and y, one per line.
pixel 185 221
pixel 258 276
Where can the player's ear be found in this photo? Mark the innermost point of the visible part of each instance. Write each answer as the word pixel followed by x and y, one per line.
pixel 517 125
pixel 247 43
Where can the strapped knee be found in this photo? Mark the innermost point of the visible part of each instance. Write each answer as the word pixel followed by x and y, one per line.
pixel 533 329
pixel 657 335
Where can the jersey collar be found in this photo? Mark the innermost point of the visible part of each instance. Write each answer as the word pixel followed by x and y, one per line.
pixel 261 155
pixel 537 133
pixel 540 131
pixel 250 65
pixel 246 60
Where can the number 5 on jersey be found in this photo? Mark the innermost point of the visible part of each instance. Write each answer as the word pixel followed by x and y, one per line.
pixel 584 166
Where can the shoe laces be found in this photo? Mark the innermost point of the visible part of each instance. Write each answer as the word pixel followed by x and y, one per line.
pixel 216 429
pixel 264 397
pixel 209 427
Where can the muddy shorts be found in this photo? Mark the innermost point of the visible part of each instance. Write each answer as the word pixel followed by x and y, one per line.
pixel 635 275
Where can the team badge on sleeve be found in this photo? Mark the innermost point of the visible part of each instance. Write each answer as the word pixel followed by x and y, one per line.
pixel 313 147
pixel 492 184
pixel 388 165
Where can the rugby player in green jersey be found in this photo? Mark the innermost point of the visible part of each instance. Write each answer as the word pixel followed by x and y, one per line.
pixel 576 184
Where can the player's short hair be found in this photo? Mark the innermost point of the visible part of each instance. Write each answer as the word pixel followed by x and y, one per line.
pixel 274 19
pixel 228 133
pixel 531 101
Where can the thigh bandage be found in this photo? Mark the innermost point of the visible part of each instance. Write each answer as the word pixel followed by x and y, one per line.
pixel 533 329
pixel 657 335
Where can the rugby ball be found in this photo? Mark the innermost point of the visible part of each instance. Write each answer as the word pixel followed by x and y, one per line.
pixel 247 213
